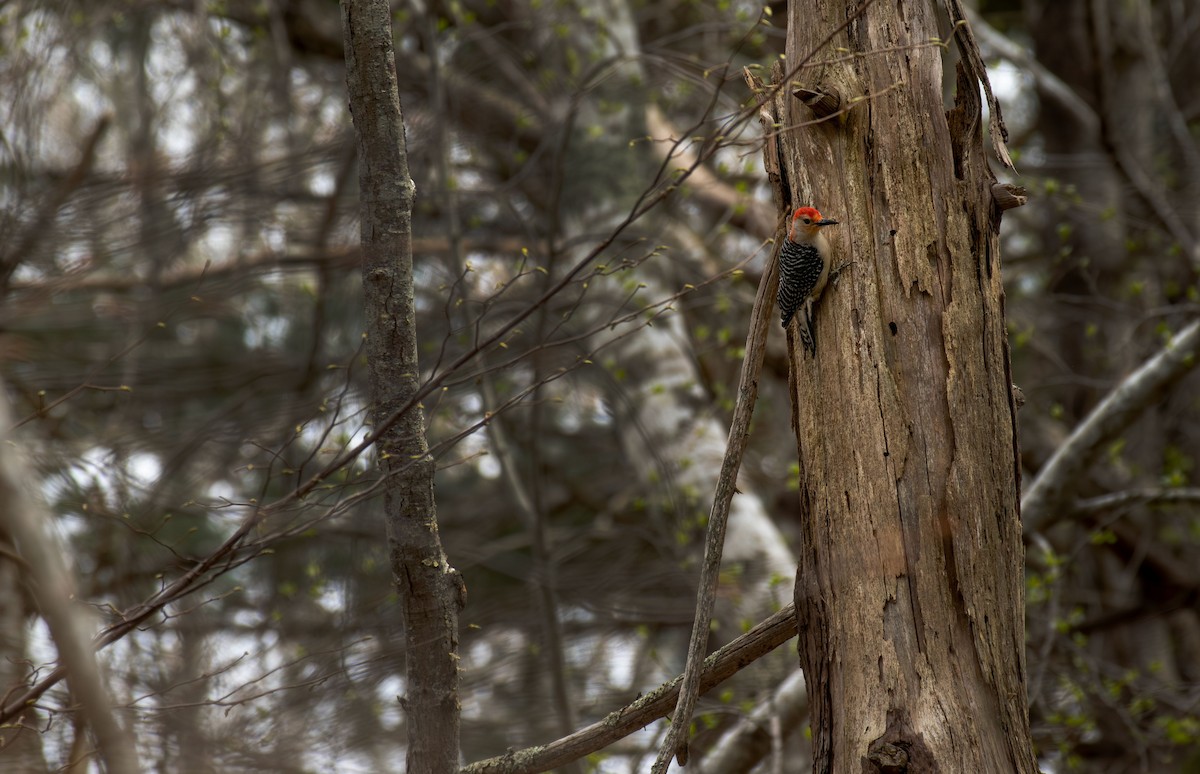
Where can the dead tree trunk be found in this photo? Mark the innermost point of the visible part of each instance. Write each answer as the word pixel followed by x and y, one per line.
pixel 909 593
pixel 431 591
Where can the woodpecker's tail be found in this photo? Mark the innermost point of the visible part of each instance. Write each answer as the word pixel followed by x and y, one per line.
pixel 806 331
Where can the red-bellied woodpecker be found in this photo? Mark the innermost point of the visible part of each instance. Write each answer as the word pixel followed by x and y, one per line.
pixel 803 270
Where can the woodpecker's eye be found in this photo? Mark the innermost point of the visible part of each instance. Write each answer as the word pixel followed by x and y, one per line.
pixel 808 220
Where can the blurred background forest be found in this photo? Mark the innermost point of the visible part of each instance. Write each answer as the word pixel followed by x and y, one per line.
pixel 181 342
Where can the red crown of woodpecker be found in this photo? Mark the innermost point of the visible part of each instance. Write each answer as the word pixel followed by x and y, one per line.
pixel 807 212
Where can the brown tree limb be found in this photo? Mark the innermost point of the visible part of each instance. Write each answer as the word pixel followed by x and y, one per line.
pixel 718 667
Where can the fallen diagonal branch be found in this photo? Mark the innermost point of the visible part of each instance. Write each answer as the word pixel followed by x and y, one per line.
pixel 717 668
pixel 1044 501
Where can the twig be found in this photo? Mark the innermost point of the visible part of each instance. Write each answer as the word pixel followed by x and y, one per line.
pixel 1132 496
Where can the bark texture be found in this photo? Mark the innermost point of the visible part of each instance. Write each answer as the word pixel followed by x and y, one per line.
pixel 909 594
pixel 431 591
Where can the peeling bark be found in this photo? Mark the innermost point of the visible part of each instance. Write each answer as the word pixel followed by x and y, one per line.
pixel 909 594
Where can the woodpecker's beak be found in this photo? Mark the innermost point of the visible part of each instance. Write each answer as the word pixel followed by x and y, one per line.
pixel 826 222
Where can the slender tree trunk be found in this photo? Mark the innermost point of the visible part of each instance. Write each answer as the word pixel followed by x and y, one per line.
pixel 431 591
pixel 26 521
pixel 909 594
pixel 20 742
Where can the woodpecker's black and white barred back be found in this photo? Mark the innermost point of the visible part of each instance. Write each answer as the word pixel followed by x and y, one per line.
pixel 803 271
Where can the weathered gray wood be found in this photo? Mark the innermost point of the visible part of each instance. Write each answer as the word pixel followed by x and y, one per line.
pixel 910 589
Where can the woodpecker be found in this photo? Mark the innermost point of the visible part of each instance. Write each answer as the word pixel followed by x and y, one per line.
pixel 803 270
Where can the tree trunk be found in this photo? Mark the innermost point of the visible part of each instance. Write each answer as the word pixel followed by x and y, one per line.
pixel 20 742
pixel 909 593
pixel 431 591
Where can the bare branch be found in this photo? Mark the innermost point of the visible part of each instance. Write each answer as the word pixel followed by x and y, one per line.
pixel 1137 497
pixel 1043 503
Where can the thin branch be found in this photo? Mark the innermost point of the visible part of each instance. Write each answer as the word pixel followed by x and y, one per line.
pixel 1043 503
pixel 718 667
pixel 675 744
pixel 1115 500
